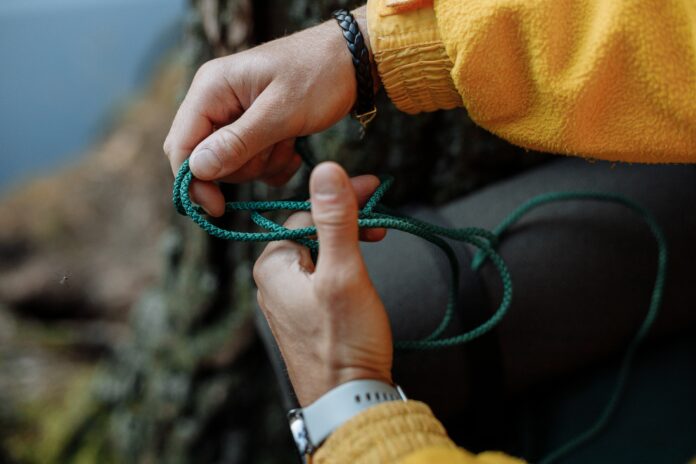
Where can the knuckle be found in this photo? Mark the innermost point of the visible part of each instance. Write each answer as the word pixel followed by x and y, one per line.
pixel 259 299
pixel 167 147
pixel 259 270
pixel 206 70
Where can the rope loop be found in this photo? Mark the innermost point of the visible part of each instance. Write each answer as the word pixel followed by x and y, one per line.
pixel 372 215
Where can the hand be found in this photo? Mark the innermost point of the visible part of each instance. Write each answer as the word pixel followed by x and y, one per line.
pixel 242 113
pixel 328 320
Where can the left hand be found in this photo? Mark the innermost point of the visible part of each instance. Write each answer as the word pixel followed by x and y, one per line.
pixel 329 322
pixel 242 113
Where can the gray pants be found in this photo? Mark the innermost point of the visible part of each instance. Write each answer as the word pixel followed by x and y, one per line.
pixel 582 271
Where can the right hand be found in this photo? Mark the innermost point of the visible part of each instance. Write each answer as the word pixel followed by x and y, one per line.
pixel 242 112
pixel 328 320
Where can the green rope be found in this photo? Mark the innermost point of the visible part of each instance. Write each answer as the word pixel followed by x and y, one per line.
pixel 651 315
pixel 375 215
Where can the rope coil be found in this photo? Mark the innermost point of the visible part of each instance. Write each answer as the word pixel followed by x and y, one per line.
pixel 375 215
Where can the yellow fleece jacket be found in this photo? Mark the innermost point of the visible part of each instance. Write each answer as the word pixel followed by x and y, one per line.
pixel 398 432
pixel 609 79
pixel 613 80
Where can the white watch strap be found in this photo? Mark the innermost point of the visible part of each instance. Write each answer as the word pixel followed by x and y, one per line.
pixel 338 406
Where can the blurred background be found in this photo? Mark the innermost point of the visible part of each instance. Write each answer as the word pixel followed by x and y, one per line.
pixel 69 67
pixel 126 333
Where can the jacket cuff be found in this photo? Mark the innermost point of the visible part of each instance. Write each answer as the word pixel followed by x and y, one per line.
pixel 411 58
pixel 384 433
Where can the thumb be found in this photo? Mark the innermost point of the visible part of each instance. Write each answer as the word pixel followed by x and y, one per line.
pixel 226 150
pixel 335 214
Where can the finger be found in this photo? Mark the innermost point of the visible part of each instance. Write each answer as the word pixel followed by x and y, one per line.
pixel 230 147
pixel 295 221
pixel 372 235
pixel 364 187
pixel 209 196
pixel 290 170
pixel 208 103
pixel 276 160
pixel 298 220
pixel 282 254
pixel 250 170
pixel 335 214
pixel 281 156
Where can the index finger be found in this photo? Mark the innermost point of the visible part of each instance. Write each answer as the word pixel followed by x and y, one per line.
pixel 287 250
pixel 206 106
pixel 363 186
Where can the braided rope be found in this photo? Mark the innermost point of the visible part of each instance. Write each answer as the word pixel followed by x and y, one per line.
pixel 365 102
pixel 370 216
pixel 375 215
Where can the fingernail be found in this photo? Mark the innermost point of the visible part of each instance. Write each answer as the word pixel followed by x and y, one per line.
pixel 205 163
pixel 328 182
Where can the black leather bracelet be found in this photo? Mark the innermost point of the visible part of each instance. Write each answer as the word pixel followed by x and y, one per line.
pixel 364 110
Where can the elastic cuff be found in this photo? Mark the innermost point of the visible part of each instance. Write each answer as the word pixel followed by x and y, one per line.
pixel 384 433
pixel 411 58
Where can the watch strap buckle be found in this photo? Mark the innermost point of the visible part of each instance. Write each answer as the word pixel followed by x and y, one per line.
pixel 300 435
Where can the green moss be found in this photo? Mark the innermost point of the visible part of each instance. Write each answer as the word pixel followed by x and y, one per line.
pixel 46 425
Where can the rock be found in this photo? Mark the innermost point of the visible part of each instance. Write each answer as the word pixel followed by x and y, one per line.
pixel 84 242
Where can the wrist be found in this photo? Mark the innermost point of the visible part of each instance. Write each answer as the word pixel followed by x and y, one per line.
pixel 312 425
pixel 337 64
pixel 360 15
pixel 364 109
pixel 332 378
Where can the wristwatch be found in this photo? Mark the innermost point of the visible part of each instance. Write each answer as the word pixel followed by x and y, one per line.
pixel 312 425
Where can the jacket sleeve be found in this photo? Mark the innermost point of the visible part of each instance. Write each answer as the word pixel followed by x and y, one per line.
pixel 398 432
pixel 604 79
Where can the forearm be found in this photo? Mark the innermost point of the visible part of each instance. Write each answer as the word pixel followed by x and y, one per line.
pixel 611 80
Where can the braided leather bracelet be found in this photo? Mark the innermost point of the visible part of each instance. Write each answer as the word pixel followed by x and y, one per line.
pixel 364 110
